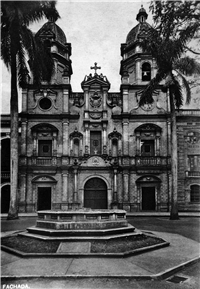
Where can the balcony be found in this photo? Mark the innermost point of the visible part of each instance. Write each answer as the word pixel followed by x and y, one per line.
pixel 152 161
pixel 43 161
pixel 192 173
pixel 5 175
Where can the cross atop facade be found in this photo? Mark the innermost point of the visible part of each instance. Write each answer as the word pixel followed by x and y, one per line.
pixel 95 67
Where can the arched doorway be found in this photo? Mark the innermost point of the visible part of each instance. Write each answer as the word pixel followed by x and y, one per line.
pixel 5 198
pixel 95 194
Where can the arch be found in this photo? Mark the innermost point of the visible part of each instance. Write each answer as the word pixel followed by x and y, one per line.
pixel 5 197
pixel 148 127
pixel 5 137
pixel 44 178
pixel 148 178
pixel 95 193
pixel 146 71
pixel 44 127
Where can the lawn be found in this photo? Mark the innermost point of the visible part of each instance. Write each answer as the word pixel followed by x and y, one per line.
pixel 120 245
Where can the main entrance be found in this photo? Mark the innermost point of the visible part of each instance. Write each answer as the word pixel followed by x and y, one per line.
pixel 148 198
pixel 44 198
pixel 95 194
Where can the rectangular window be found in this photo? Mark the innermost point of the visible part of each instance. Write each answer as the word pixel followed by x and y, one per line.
pixel 45 148
pixel 147 148
pixel 194 162
pixel 95 142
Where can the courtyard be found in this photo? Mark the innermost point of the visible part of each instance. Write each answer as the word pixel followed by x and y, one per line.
pixel 171 267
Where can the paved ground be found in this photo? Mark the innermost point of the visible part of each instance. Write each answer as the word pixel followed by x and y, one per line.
pixel 182 234
pixel 191 273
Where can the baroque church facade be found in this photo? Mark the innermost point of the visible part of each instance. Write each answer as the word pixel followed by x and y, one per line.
pixel 99 149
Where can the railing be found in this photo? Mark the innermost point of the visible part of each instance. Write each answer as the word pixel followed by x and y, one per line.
pixel 44 161
pixel 5 174
pixel 188 112
pixel 151 161
pixel 192 174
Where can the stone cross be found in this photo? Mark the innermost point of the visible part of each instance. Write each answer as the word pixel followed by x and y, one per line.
pixel 95 67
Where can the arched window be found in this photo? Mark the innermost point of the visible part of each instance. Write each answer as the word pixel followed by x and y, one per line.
pixel 114 147
pixel 195 193
pixel 76 147
pixel 146 71
pixel 76 139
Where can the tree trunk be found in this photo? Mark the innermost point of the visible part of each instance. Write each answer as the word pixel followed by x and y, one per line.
pixel 174 161
pixel 13 209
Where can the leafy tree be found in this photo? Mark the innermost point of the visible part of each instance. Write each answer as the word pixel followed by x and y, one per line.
pixel 176 23
pixel 17 42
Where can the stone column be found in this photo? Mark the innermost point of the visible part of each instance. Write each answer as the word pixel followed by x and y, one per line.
pixel 34 144
pixel 65 187
pixel 23 137
pixel 138 151
pixel 24 100
pixel 125 100
pixel 115 186
pixel 120 146
pixel 157 151
pixel 126 186
pixel 65 100
pixel 75 195
pixel 104 99
pixel 65 138
pixel 54 144
pixel 125 137
pixel 87 140
pixel 86 103
pixel 138 70
pixel 23 189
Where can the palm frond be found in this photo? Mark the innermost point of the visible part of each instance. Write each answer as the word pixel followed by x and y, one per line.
pixel 186 86
pixel 36 10
pixel 147 93
pixel 177 93
pixel 187 65
pixel 22 70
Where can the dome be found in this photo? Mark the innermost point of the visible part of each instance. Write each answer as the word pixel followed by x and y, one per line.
pixel 141 30
pixel 50 27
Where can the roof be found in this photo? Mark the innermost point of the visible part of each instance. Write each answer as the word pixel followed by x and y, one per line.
pixel 139 31
pixel 50 28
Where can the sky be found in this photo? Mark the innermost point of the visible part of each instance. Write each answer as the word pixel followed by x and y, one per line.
pixel 95 30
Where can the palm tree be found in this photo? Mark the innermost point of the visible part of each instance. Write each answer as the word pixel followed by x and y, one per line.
pixel 17 41
pixel 167 48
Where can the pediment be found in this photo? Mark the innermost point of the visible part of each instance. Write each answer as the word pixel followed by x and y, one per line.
pixel 95 81
pixel 95 161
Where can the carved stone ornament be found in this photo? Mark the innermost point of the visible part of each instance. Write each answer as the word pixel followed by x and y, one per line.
pixel 95 115
pixel 76 134
pixel 95 100
pixel 95 161
pixel 115 134
pixel 192 138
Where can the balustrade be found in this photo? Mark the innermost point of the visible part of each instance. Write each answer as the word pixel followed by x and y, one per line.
pixel 193 174
pixel 39 161
pixel 151 161
pixel 5 175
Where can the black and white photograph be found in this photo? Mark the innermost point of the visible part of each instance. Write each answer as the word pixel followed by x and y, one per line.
pixel 100 144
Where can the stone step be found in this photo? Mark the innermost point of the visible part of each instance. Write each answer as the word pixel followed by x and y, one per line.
pixel 81 224
pixel 79 238
pixel 66 233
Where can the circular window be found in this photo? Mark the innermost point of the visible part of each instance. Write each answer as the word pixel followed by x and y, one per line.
pixel 45 103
